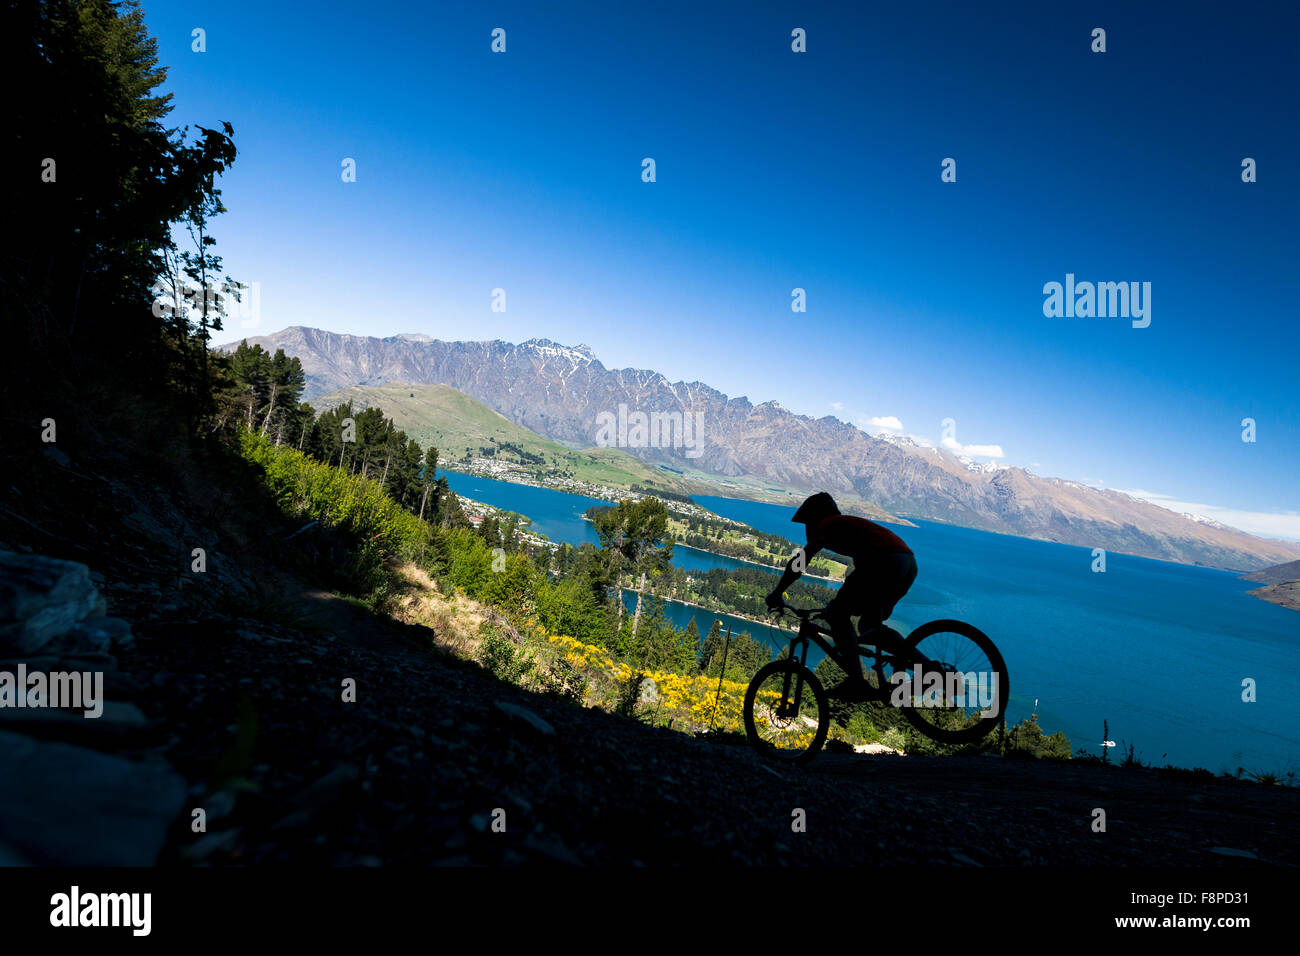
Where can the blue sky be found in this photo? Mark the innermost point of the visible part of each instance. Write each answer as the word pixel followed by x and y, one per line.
pixel 819 170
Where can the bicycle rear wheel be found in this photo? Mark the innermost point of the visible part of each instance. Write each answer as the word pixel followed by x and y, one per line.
pixel 786 712
pixel 956 690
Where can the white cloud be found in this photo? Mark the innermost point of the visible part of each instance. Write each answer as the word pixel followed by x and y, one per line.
pixel 885 423
pixel 973 451
pixel 891 425
pixel 1269 524
pixel 838 406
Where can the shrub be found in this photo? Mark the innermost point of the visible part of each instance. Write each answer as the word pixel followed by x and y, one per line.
pixel 304 487
pixel 860 726
pixel 1026 739
pixel 501 656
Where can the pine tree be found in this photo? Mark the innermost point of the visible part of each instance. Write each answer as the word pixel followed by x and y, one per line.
pixel 86 251
pixel 633 533
pixel 712 646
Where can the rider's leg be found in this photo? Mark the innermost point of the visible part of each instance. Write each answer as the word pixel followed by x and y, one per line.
pixel 869 593
pixel 895 574
pixel 891 577
pixel 846 642
pixel 846 604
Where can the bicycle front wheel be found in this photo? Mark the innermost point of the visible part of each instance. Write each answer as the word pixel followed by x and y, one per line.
pixel 957 688
pixel 786 712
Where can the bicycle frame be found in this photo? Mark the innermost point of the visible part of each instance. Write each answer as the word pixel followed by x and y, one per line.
pixel 799 643
pixel 812 633
pixel 878 650
pixel 808 633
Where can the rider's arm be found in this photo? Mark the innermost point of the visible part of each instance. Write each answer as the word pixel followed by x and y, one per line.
pixel 791 575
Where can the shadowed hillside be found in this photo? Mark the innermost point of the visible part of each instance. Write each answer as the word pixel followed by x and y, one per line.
pixel 231 701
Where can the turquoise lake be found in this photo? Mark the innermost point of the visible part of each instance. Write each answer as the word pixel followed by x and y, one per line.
pixel 1158 650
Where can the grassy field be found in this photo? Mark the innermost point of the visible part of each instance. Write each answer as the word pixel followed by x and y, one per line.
pixel 460 427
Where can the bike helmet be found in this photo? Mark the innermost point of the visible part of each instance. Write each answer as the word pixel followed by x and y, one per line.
pixel 815 508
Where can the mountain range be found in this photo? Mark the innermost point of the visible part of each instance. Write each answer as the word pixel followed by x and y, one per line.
pixel 564 393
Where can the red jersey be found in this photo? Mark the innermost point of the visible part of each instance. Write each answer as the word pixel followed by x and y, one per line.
pixel 853 537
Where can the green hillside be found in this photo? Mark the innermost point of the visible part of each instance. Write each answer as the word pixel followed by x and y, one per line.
pixel 462 428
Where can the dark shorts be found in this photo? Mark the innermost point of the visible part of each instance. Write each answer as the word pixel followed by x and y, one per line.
pixel 873 587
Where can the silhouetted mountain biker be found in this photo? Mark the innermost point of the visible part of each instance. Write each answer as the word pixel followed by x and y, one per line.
pixel 883 570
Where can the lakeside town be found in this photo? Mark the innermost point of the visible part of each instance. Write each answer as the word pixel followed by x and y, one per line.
pixel 500 470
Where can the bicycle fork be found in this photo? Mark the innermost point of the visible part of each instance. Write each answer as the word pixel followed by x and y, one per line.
pixel 798 654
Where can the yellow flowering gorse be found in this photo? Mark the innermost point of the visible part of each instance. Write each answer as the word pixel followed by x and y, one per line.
pixel 689 701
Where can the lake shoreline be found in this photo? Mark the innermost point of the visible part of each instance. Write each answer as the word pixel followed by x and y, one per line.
pixel 713 610
pixel 775 569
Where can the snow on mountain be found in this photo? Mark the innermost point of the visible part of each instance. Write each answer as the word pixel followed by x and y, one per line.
pixel 985 468
pixel 1210 522
pixel 577 355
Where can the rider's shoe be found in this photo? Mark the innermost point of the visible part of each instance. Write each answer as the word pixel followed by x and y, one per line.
pixel 851 689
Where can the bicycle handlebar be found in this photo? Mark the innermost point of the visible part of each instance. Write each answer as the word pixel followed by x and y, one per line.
pixel 803 613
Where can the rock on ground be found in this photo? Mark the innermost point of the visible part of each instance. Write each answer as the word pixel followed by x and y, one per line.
pixel 42 598
pixel 68 806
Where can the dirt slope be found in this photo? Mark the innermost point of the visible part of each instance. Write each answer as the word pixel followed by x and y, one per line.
pixel 414 770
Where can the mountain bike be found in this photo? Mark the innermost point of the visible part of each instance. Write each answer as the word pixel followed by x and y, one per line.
pixel 947 677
